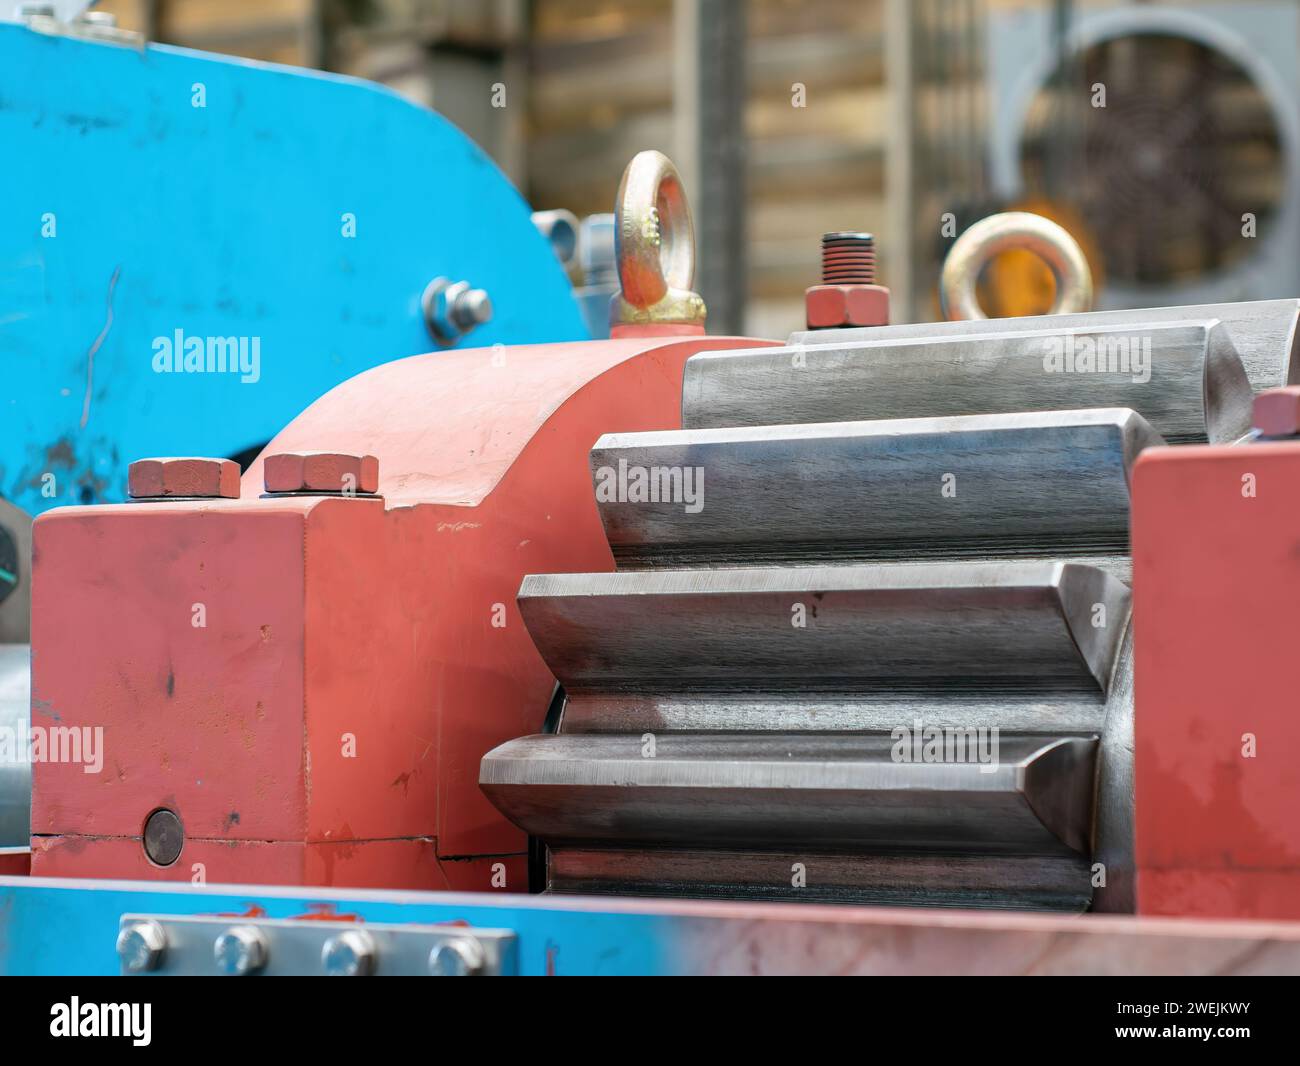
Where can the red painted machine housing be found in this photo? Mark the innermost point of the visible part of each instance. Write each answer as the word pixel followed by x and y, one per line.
pixel 357 656
pixel 1216 586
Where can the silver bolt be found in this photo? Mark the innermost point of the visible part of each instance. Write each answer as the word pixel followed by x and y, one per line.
pixel 458 957
pixel 469 307
pixel 28 11
pixel 350 954
pixel 104 19
pixel 240 951
pixel 452 309
pixel 140 946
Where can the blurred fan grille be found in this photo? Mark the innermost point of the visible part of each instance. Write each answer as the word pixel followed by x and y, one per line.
pixel 1185 145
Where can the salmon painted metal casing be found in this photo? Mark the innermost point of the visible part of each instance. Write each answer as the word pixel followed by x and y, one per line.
pixel 1216 583
pixel 310 681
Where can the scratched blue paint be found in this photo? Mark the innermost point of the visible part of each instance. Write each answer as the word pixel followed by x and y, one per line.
pixel 51 926
pixel 224 221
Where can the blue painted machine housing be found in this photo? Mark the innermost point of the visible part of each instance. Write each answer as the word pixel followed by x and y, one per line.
pixel 150 190
pixel 51 926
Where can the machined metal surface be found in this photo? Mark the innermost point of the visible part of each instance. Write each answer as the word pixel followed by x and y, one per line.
pixel 1057 882
pixel 631 715
pixel 173 945
pixel 1263 332
pixel 1021 708
pixel 1033 795
pixel 15 767
pixel 932 625
pixel 1043 483
pixel 1113 836
pixel 793 591
pixel 1185 378
pixel 723 727
pixel 799 581
pixel 15 574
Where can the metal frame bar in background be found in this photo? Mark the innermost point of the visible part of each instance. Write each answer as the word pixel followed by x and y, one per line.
pixel 709 94
pixel 900 156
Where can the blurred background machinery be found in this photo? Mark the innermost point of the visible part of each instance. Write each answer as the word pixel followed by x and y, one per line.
pixel 1198 133
pixel 911 118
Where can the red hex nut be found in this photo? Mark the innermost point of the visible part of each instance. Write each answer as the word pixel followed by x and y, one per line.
pixel 1277 412
pixel 838 306
pixel 191 476
pixel 321 472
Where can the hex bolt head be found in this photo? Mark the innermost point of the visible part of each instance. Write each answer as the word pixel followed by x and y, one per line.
pixel 140 945
pixel 189 477
pixel 459 957
pixel 848 295
pixel 321 473
pixel 844 306
pixel 452 308
pixel 240 951
pixel 350 954
pixel 1277 412
pixel 469 307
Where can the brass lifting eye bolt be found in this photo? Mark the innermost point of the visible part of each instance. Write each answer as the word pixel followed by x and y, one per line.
pixel 654 243
pixel 991 236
